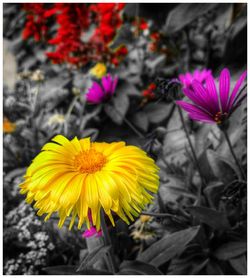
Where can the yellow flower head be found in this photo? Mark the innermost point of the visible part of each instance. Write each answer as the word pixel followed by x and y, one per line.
pixel 80 177
pixel 99 70
pixel 8 126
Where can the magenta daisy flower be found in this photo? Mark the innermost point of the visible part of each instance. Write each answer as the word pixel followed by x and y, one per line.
pixel 101 93
pixel 92 232
pixel 209 106
pixel 187 78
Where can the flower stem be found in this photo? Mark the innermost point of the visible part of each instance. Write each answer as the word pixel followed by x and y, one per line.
pixel 194 156
pixel 243 176
pixel 67 116
pixel 136 131
pixel 159 215
pixel 107 241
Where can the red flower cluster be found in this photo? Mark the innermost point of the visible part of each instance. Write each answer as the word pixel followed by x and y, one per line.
pixel 108 19
pixel 35 21
pixel 141 24
pixel 155 37
pixel 75 42
pixel 149 92
pixel 73 20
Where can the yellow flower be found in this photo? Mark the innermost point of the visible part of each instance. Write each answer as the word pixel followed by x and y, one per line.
pixel 8 126
pixel 80 177
pixel 99 70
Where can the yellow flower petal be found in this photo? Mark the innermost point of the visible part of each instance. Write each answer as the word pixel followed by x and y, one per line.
pixel 78 178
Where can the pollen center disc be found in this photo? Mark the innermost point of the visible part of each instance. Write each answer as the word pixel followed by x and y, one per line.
pixel 89 162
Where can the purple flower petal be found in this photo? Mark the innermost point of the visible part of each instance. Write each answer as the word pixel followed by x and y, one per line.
pixel 107 83
pixel 194 111
pixel 115 81
pixel 92 232
pixel 211 89
pixel 236 89
pixel 98 89
pixel 224 88
pixel 93 96
pixel 200 118
pixel 203 95
pixel 196 99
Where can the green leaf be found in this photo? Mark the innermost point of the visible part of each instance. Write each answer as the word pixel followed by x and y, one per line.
pixel 230 250
pixel 138 268
pixel 197 268
pixel 213 193
pixel 222 168
pixel 71 270
pixel 93 257
pixel 184 14
pixel 236 45
pixel 239 264
pixel 157 112
pixel 212 218
pixel 118 110
pixel 140 119
pixel 168 247
pixel 61 270
pixel 213 268
pixel 124 36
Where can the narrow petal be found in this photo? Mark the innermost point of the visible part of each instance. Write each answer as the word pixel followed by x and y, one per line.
pixel 236 89
pixel 107 83
pixel 204 99
pixel 224 88
pixel 211 89
pixel 195 99
pixel 194 110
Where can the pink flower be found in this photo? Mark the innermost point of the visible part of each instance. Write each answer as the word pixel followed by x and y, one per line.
pixel 92 232
pixel 201 76
pixel 211 105
pixel 101 93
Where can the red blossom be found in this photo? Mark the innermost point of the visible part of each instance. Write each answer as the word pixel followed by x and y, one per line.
pixel 35 25
pixel 149 92
pixel 74 21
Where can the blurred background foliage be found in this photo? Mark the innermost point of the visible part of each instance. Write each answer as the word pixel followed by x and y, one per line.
pixel 42 99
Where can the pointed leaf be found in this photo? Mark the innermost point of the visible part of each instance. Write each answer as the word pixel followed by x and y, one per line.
pixel 93 257
pixel 222 168
pixel 138 268
pixel 239 264
pixel 230 250
pixel 157 112
pixel 140 119
pixel 71 270
pixel 168 247
pixel 212 218
pixel 184 14
pixel 118 110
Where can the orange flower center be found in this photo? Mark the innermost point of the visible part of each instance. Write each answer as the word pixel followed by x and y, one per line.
pixel 89 162
pixel 220 117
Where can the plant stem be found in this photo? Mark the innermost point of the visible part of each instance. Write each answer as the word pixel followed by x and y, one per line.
pixel 36 95
pixel 67 116
pixel 194 155
pixel 136 131
pixel 243 176
pixel 154 214
pixel 107 241
pixel 71 108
